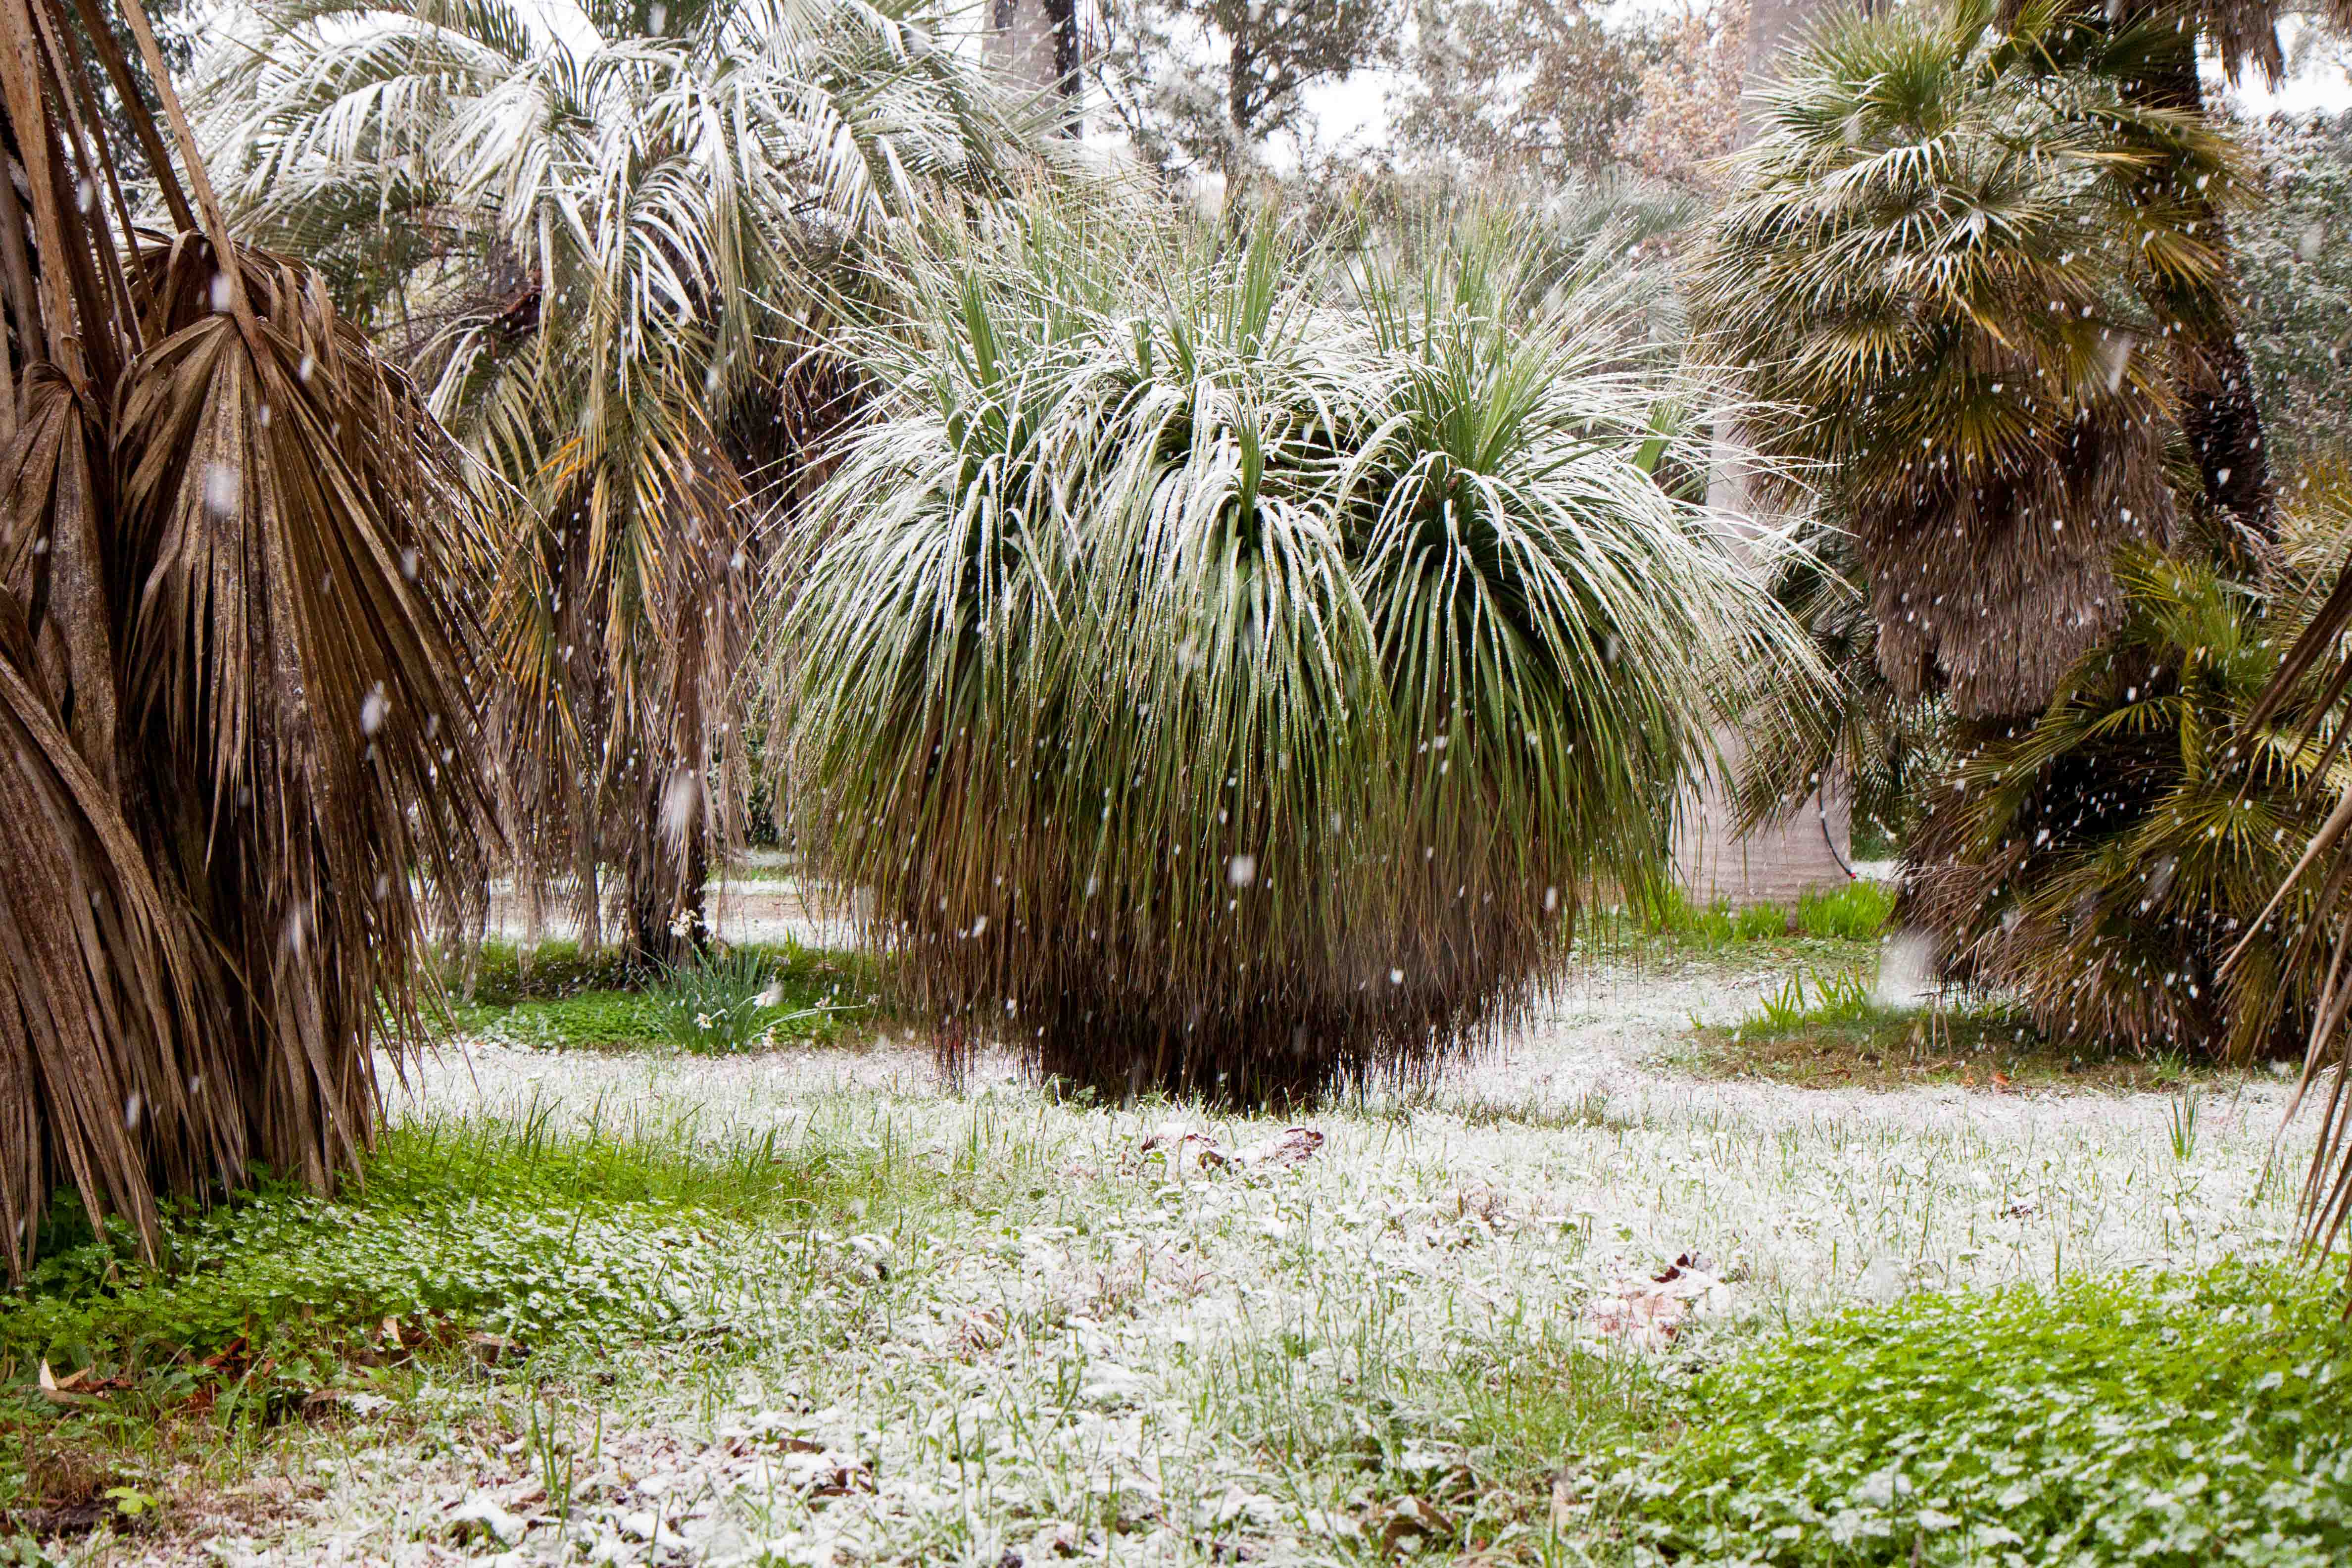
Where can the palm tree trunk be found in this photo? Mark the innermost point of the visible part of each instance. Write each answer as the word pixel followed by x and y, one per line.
pixel 1779 861
pixel 2216 382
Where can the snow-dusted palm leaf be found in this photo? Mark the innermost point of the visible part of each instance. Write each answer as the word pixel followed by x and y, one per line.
pixel 641 222
pixel 1939 279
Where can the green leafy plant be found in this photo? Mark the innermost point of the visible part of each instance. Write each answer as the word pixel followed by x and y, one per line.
pixel 1837 999
pixel 2181 1125
pixel 2168 1422
pixel 723 999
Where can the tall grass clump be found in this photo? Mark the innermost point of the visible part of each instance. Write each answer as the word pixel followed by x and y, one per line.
pixel 1855 912
pixel 1226 679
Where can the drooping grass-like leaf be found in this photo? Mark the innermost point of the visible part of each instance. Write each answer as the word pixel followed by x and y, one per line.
pixel 1229 683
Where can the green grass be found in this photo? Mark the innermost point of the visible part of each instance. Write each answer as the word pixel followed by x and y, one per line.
pixel 1826 1030
pixel 510 1227
pixel 1819 925
pixel 512 1254
pixel 552 998
pixel 1855 912
pixel 2160 1423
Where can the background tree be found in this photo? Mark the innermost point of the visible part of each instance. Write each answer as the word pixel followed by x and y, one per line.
pixel 1687 114
pixel 2295 265
pixel 618 257
pixel 2150 47
pixel 237 681
pixel 1539 86
pixel 1200 86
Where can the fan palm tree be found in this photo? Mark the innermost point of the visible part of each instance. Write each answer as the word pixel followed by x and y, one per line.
pixel 2102 863
pixel 2314 674
pixel 2150 48
pixel 1228 687
pixel 1938 279
pixel 237 686
pixel 618 241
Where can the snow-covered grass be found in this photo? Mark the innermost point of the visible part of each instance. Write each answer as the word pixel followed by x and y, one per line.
pixel 1040 1328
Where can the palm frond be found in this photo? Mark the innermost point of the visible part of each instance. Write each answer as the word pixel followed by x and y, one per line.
pixel 637 240
pixel 1939 282
pixel 237 685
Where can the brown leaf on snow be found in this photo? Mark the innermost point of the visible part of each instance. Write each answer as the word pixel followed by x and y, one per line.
pixel 1410 1518
pixel 1182 1146
pixel 1291 1146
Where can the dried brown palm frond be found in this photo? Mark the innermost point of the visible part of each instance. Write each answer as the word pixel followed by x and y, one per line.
pixel 297 662
pixel 108 1066
pixel 237 681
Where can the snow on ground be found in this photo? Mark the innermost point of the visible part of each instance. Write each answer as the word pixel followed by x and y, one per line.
pixel 1152 1354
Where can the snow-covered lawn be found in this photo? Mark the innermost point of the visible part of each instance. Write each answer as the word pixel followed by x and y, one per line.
pixel 1161 1336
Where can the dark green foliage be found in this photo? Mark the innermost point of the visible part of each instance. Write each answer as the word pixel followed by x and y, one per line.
pixel 2102 861
pixel 552 998
pixel 2169 1423
pixel 1949 279
pixel 2295 265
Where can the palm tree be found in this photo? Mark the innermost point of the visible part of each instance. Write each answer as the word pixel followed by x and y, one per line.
pixel 2313 675
pixel 1230 687
pixel 238 688
pixel 620 240
pixel 2150 48
pixel 2103 862
pixel 1938 278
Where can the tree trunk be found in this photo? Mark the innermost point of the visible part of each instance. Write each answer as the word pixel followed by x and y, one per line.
pixel 1038 44
pixel 1808 850
pixel 2210 372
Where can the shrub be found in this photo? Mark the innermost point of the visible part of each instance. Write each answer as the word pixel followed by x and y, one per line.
pixel 2103 862
pixel 1229 687
pixel 2158 1423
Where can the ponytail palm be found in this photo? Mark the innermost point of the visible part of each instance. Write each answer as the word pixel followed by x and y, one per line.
pixel 615 239
pixel 1228 689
